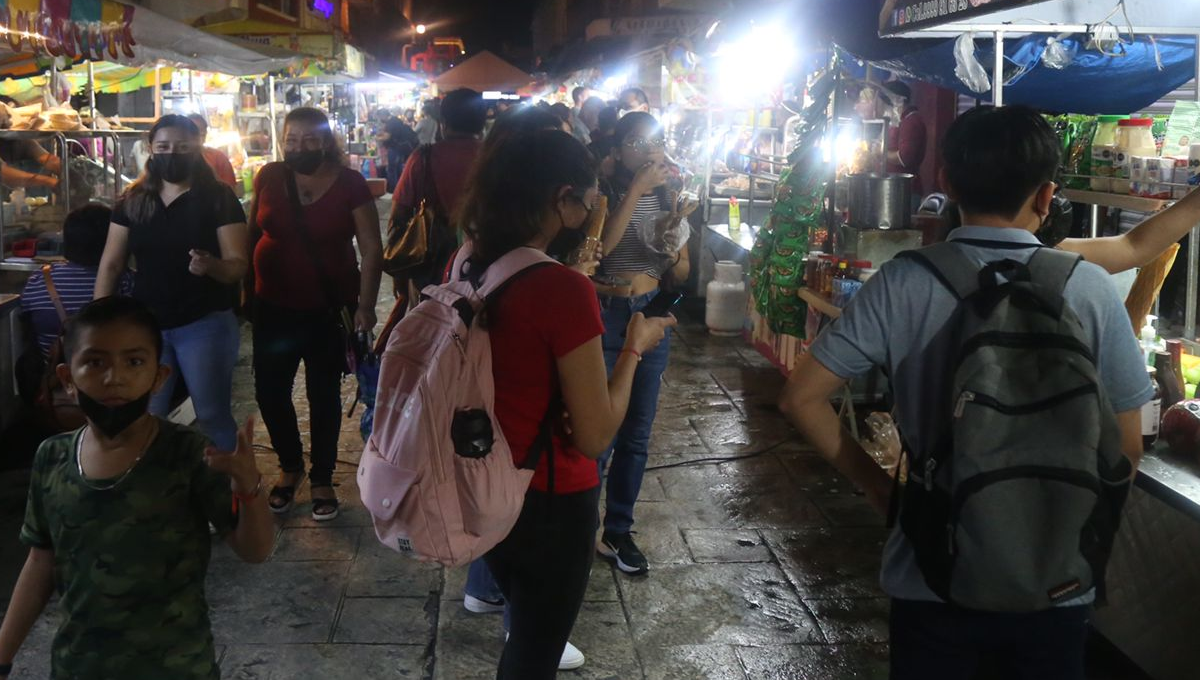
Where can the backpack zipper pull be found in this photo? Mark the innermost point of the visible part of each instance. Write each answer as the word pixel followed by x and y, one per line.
pixel 962 403
pixel 458 342
pixel 930 466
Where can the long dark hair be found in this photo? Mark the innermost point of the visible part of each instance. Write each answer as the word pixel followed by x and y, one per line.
pixel 315 117
pixel 140 197
pixel 622 177
pixel 514 184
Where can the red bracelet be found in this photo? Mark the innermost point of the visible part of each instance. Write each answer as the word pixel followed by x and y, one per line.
pixel 247 497
pixel 634 352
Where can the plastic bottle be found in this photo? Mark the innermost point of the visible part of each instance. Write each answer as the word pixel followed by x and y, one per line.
pixel 1134 138
pixel 1172 390
pixel 1152 413
pixel 1104 147
pixel 1146 338
pixel 838 288
pixel 735 218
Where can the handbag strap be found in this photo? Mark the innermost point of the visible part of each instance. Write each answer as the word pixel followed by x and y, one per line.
pixel 54 296
pixel 309 244
pixel 429 192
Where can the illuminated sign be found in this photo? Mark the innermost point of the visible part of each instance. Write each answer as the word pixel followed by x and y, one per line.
pixel 900 16
pixel 323 7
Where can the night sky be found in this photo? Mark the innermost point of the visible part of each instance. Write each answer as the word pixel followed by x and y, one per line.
pixel 482 24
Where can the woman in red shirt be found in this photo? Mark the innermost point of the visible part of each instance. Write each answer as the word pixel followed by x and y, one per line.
pixel 305 273
pixel 545 333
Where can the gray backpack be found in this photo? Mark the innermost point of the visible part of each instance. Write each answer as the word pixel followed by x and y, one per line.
pixel 1014 506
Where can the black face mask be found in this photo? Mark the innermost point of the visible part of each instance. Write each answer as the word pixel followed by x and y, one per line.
pixel 304 162
pixel 1057 225
pixel 173 167
pixel 111 421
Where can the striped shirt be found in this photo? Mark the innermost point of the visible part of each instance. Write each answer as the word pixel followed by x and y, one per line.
pixel 632 254
pixel 75 285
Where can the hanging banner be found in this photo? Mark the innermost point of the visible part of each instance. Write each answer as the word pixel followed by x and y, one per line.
pixel 903 16
pixel 78 29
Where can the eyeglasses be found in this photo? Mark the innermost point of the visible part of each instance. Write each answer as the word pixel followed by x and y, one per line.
pixel 643 145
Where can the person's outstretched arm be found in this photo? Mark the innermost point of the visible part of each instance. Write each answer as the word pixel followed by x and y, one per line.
pixel 1142 244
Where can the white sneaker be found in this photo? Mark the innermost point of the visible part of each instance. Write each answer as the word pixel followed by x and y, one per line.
pixel 476 605
pixel 571 657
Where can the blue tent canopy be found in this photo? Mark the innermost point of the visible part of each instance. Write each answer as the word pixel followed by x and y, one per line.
pixel 1092 83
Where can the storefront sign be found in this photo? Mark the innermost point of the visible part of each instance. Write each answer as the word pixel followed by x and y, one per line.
pixel 902 16
pixel 671 25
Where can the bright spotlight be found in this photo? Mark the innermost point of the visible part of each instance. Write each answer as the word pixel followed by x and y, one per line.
pixel 421 29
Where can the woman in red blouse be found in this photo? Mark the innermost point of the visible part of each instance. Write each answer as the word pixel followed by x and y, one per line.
pixel 307 213
pixel 545 333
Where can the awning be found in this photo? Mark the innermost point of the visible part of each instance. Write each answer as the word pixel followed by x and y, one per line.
pixel 110 79
pixel 160 39
pixel 483 72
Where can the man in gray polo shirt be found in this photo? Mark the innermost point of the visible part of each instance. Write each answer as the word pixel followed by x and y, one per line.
pixel 999 167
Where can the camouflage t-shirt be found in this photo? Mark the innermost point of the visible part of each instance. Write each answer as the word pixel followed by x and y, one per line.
pixel 129 563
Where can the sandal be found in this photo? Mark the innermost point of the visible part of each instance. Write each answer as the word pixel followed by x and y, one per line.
pixel 325 509
pixel 282 498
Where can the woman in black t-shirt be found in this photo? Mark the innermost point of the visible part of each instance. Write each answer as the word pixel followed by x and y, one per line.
pixel 187 234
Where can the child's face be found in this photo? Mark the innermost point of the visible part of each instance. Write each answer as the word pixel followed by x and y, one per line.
pixel 114 364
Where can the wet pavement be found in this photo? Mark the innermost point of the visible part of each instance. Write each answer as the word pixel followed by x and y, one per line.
pixel 763 563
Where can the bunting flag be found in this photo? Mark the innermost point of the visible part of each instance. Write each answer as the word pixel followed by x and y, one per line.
pixel 78 29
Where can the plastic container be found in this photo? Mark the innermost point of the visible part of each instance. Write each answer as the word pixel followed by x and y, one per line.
pixel 1134 138
pixel 1104 148
pixel 725 303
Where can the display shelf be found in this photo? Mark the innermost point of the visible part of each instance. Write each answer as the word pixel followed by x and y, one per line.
pixel 1120 201
pixel 819 303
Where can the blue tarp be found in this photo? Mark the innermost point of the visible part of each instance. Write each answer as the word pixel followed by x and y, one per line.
pixel 1093 83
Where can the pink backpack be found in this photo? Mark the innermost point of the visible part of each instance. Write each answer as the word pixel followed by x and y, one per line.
pixel 437 475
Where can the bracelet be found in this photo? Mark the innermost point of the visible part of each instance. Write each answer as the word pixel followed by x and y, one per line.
pixel 634 352
pixel 246 498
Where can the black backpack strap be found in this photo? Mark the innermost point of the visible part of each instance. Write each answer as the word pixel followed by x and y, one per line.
pixel 544 442
pixel 950 265
pixel 1051 269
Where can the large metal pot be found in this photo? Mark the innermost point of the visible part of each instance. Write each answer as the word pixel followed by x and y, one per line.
pixel 880 201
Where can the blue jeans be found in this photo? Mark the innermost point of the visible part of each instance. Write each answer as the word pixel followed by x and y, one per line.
pixel 631 447
pixel 204 353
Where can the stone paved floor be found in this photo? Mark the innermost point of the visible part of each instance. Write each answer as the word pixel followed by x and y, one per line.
pixel 761 568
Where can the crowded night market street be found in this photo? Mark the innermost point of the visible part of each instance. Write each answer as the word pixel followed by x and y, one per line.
pixel 599 339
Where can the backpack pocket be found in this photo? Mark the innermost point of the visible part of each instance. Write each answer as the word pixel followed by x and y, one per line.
pixel 491 493
pixel 1016 535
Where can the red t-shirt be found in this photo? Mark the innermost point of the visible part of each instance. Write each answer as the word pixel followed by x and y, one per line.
pixel 284 271
pixel 452 161
pixel 221 167
pixel 542 316
pixel 909 139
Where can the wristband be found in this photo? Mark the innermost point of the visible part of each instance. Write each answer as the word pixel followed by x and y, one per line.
pixel 634 352
pixel 246 498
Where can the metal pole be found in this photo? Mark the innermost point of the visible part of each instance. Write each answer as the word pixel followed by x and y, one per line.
pixel 91 85
pixel 998 71
pixel 1095 227
pixel 271 113
pixel 157 91
pixel 1193 276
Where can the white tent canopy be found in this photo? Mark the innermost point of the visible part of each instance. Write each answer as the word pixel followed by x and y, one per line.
pixel 483 72
pixel 160 39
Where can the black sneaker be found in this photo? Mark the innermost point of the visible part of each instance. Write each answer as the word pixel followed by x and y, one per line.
pixel 620 549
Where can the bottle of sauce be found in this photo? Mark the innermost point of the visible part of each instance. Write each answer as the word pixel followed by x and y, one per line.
pixel 1169 387
pixel 1152 413
pixel 1134 138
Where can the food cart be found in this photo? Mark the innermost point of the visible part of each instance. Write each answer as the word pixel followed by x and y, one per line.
pixel 1153 577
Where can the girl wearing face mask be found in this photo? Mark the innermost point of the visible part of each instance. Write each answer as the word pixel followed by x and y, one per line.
pixel 638 191
pixel 187 234
pixel 545 333
pixel 308 211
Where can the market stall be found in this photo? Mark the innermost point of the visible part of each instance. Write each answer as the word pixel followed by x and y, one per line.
pixel 1055 55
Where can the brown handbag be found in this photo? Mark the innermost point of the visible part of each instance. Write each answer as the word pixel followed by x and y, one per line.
pixel 415 236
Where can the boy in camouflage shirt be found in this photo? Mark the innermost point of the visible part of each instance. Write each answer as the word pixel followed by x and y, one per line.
pixel 118 516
